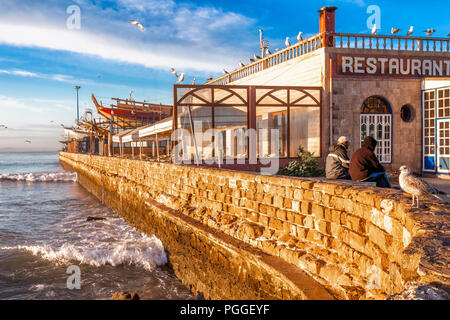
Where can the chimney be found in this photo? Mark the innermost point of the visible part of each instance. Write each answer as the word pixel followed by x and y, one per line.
pixel 327 24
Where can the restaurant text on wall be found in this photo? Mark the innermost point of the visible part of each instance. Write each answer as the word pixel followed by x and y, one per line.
pixel 393 66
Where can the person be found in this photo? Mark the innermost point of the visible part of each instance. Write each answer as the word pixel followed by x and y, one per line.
pixel 338 162
pixel 365 167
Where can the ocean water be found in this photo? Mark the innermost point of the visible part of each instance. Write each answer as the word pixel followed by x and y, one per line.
pixel 44 230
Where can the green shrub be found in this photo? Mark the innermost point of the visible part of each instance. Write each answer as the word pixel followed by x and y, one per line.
pixel 306 166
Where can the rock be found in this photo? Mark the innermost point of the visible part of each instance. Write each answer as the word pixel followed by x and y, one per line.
pixel 94 218
pixel 125 295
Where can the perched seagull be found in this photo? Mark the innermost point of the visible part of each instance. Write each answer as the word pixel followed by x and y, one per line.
pixel 410 31
pixel 225 71
pixel 268 53
pixel 180 78
pixel 256 57
pixel 174 72
pixel 299 37
pixel 394 31
pixel 193 81
pixel 137 23
pixel 252 60
pixel 241 64
pixel 210 78
pixel 430 32
pixel 374 29
pixel 416 186
pixel 287 43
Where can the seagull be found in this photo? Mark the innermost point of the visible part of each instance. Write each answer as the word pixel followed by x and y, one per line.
pixel 430 32
pixel 416 186
pixel 268 53
pixel 193 81
pixel 287 43
pixel 241 64
pixel 137 23
pixel 374 29
pixel 210 78
pixel 180 78
pixel 448 35
pixel 394 31
pixel 410 31
pixel 256 57
pixel 252 60
pixel 299 37
pixel 27 141
pixel 225 71
pixel 174 72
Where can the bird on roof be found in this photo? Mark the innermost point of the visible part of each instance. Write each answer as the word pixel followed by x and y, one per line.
pixel 193 81
pixel 256 57
pixel 287 42
pixel 268 53
pixel 410 31
pixel 241 64
pixel 374 29
pixel 138 24
pixel 429 32
pixel 416 186
pixel 251 60
pixel 299 37
pixel 180 78
pixel 394 31
pixel 174 72
pixel 225 71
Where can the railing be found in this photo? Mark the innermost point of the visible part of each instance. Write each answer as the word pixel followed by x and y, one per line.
pixel 385 42
pixel 289 53
pixel 340 40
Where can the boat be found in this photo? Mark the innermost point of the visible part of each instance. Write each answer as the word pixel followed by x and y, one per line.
pixel 128 113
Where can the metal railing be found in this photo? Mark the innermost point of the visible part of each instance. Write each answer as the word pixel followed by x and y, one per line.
pixel 387 42
pixel 289 53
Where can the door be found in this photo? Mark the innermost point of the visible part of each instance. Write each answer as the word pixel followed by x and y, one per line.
pixel 443 150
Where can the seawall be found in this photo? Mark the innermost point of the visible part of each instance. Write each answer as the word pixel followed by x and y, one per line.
pixel 238 235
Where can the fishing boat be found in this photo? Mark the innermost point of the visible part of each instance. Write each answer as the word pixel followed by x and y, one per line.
pixel 128 113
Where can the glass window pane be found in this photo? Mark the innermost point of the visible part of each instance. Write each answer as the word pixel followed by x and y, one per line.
pixel 305 130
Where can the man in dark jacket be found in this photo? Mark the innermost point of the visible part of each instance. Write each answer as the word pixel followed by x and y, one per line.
pixel 338 162
pixel 364 165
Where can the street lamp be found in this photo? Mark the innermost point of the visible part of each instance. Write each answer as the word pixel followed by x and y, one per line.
pixel 78 111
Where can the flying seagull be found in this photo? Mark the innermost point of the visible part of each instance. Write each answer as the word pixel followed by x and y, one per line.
pixel 394 31
pixel 374 29
pixel 180 78
pixel 430 32
pixel 287 43
pixel 410 31
pixel 138 24
pixel 416 186
pixel 299 37
pixel 174 72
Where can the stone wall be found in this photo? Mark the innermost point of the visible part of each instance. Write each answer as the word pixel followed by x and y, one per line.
pixel 357 242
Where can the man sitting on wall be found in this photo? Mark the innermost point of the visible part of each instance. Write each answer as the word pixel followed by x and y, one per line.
pixel 338 162
pixel 365 167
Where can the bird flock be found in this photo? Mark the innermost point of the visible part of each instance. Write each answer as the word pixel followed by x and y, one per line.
pixel 428 32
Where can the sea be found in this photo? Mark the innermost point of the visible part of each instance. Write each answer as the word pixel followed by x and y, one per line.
pixel 49 249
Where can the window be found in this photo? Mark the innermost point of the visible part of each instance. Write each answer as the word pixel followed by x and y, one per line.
pixel 444 103
pixel 429 124
pixel 376 121
pixel 406 113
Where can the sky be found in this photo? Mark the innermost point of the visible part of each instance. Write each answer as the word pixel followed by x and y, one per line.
pixel 43 57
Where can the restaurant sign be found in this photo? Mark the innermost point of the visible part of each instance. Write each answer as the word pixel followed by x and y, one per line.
pixel 393 66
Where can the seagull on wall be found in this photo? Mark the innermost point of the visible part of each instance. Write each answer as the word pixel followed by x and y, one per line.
pixel 429 32
pixel 225 71
pixel 180 78
pixel 394 31
pixel 241 64
pixel 299 37
pixel 416 186
pixel 174 72
pixel 138 24
pixel 210 78
pixel 256 57
pixel 410 31
pixel 268 53
pixel 193 81
pixel 374 29
pixel 287 42
pixel 251 60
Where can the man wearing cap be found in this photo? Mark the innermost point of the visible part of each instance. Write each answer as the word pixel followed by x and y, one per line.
pixel 338 162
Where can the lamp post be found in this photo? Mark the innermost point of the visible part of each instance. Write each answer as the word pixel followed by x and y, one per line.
pixel 78 111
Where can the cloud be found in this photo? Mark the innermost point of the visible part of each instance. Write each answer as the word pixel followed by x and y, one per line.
pixel 19 73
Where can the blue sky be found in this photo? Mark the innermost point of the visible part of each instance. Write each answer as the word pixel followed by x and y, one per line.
pixel 41 60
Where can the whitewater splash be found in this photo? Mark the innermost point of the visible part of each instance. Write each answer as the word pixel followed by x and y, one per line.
pixel 41 177
pixel 146 254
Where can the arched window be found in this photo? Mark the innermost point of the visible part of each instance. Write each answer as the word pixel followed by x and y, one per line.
pixel 376 121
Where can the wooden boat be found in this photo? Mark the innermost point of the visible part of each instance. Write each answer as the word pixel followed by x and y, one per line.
pixel 132 114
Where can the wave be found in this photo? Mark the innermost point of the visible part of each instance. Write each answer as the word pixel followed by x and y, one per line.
pixel 146 254
pixel 40 177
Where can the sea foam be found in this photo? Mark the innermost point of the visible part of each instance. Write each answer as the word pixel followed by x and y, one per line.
pixel 41 177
